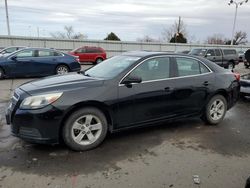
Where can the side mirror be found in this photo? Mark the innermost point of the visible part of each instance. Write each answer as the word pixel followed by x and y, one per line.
pixel 13 58
pixel 131 79
pixel 207 55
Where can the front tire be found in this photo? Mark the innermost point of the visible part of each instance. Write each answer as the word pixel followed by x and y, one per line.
pixel 85 129
pixel 215 110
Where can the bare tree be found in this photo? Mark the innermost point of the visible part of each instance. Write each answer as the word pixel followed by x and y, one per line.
pixel 215 39
pixel 178 27
pixel 147 39
pixel 68 33
pixel 240 37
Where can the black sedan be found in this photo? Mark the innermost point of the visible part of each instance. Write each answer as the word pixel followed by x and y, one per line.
pixel 30 62
pixel 131 90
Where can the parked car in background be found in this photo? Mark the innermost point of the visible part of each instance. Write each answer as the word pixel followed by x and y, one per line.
pixel 131 90
pixel 37 62
pixel 241 56
pixel 247 59
pixel 183 52
pixel 90 54
pixel 226 58
pixel 9 50
pixel 245 85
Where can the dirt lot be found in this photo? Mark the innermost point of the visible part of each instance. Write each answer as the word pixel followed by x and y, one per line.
pixel 167 155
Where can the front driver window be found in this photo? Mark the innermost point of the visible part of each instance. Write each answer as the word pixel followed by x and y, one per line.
pixel 153 69
pixel 25 53
pixel 10 50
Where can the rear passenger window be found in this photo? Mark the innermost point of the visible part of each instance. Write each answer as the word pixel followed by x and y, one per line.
pixel 188 67
pixel 44 53
pixel 153 69
pixel 47 53
pixel 91 50
pixel 203 69
pixel 217 52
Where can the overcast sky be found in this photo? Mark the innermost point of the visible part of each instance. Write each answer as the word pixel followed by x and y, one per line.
pixel 129 19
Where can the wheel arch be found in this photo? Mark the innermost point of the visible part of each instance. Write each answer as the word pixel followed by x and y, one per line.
pixel 64 65
pixel 99 57
pixel 94 104
pixel 222 92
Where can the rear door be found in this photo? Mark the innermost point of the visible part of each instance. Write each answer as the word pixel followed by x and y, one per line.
pixel 218 57
pixel 44 63
pixel 193 82
pixel 91 53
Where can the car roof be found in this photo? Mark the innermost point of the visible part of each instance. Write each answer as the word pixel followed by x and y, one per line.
pixel 146 53
pixel 38 48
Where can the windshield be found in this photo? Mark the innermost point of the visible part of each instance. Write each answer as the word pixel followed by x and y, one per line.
pixel 111 67
pixel 198 52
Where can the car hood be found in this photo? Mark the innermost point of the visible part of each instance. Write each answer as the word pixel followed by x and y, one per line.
pixel 59 83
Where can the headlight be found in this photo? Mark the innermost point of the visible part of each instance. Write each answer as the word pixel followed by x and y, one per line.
pixel 39 101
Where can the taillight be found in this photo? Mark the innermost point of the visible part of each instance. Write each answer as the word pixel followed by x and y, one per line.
pixel 237 76
pixel 77 59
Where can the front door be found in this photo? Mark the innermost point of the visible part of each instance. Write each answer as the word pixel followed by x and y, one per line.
pixel 20 64
pixel 152 98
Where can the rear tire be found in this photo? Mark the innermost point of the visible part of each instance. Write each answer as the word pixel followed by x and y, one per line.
pixel 215 110
pixel 1 73
pixel 85 129
pixel 62 69
pixel 231 65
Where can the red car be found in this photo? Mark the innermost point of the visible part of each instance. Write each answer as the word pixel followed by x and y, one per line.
pixel 90 54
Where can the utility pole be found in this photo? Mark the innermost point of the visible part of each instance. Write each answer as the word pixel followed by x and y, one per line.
pixel 178 29
pixel 38 32
pixel 7 17
pixel 237 4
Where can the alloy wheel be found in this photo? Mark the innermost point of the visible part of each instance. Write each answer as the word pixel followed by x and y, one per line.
pixel 86 129
pixel 62 70
pixel 217 109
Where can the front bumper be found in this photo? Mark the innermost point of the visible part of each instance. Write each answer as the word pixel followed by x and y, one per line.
pixel 36 126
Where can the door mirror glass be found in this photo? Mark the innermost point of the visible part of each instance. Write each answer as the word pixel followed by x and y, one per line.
pixel 208 54
pixel 131 79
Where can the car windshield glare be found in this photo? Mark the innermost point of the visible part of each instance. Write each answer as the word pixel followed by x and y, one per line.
pixel 110 68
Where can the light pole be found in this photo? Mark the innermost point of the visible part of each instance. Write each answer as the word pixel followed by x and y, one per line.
pixel 237 4
pixel 7 17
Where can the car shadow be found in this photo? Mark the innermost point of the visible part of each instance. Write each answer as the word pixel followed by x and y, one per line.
pixel 229 138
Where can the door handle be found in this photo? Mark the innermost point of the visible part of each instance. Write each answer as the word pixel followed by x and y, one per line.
pixel 205 83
